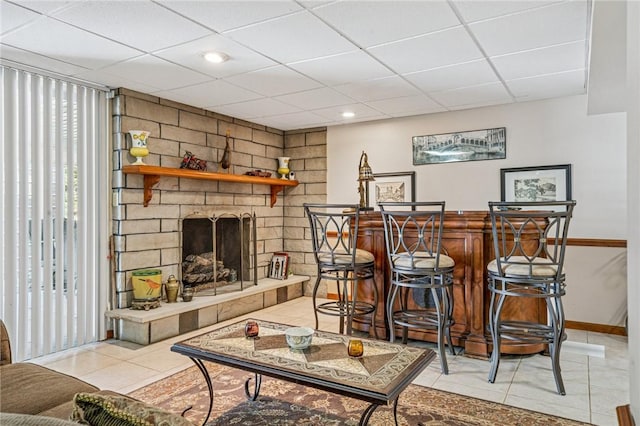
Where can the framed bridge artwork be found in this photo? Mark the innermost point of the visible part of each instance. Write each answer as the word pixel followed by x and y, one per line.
pixel 472 145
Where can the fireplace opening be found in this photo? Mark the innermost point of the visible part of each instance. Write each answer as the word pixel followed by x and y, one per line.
pixel 218 251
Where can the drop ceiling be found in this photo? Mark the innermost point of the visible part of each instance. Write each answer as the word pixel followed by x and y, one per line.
pixel 301 64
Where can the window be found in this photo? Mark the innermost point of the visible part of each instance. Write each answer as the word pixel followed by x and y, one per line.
pixel 54 200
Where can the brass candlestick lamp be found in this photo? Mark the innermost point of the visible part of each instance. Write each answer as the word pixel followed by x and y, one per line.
pixel 364 175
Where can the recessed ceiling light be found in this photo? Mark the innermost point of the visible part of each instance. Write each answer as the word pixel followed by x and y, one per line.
pixel 216 57
pixel 348 114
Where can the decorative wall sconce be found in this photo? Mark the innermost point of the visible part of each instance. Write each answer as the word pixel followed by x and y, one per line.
pixel 365 174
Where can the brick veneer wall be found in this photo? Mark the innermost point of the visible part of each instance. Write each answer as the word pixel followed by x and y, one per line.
pixel 148 237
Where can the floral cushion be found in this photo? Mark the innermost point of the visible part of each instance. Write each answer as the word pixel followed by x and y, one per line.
pixel 111 410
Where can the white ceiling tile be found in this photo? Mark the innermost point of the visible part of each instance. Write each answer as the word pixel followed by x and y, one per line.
pixel 429 51
pixel 57 40
pixel 472 95
pixel 274 81
pixel 275 38
pixel 335 113
pixel 297 120
pixel 546 86
pixel 453 76
pixel 256 108
pixel 315 99
pixel 405 104
pixel 38 61
pixel 563 57
pixel 156 72
pixel 555 24
pixel 191 55
pixel 368 23
pixel 45 6
pixel 140 24
pixel 213 93
pixel 420 111
pixel 12 16
pixel 114 81
pixel 479 104
pixel 225 15
pixel 474 10
pixel 381 88
pixel 353 66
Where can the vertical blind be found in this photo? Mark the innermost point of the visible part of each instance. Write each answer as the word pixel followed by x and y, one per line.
pixel 54 247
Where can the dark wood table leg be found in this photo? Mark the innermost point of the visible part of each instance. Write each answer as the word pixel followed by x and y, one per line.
pixel 205 373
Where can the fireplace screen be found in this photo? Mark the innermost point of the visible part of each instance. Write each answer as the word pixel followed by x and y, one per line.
pixel 219 251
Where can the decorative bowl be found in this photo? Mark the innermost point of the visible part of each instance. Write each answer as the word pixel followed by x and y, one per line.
pixel 299 337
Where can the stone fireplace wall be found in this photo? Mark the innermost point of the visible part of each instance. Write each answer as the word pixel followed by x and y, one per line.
pixel 148 237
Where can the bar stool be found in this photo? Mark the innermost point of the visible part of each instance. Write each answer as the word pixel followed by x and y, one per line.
pixel 529 240
pixel 421 275
pixel 334 230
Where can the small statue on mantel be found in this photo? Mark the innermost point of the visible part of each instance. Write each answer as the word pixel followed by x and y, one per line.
pixel 225 163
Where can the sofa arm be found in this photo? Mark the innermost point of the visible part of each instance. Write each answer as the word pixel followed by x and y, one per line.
pixel 5 345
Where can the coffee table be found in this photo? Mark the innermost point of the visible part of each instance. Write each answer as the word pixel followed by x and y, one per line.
pixel 378 377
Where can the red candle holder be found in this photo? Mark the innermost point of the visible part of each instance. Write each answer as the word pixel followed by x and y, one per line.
pixel 251 329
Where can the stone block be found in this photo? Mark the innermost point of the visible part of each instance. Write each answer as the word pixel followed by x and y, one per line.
pixel 138 260
pixel 183 135
pixel 270 298
pixel 316 138
pixel 207 316
pixel 153 211
pixel 134 332
pixel 268 138
pixel 164 328
pixel 157 240
pixel 315 164
pixel 294 141
pixel 199 122
pixel 249 147
pixel 143 226
pixel 181 197
pixel 152 111
pixel 188 321
pixel 235 308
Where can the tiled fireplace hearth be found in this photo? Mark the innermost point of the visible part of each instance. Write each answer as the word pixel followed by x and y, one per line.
pixel 173 319
pixel 150 237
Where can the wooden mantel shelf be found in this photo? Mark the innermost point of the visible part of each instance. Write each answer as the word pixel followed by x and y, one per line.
pixel 152 177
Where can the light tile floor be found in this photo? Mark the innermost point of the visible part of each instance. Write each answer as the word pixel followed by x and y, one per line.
pixel 596 380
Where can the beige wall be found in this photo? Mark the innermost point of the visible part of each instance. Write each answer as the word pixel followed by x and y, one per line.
pixel 556 131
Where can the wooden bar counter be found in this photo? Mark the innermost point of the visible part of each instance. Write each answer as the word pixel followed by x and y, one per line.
pixel 467 239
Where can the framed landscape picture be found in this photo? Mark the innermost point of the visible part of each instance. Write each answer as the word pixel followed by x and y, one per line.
pixel 392 187
pixel 471 145
pixel 540 183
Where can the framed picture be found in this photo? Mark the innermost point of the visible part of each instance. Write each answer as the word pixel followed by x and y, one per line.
pixel 541 183
pixel 279 267
pixel 395 187
pixel 473 145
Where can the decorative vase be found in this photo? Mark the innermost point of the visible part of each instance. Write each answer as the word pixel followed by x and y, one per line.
pixel 172 287
pixel 139 144
pixel 283 167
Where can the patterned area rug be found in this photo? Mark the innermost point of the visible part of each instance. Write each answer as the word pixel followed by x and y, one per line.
pixel 284 403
